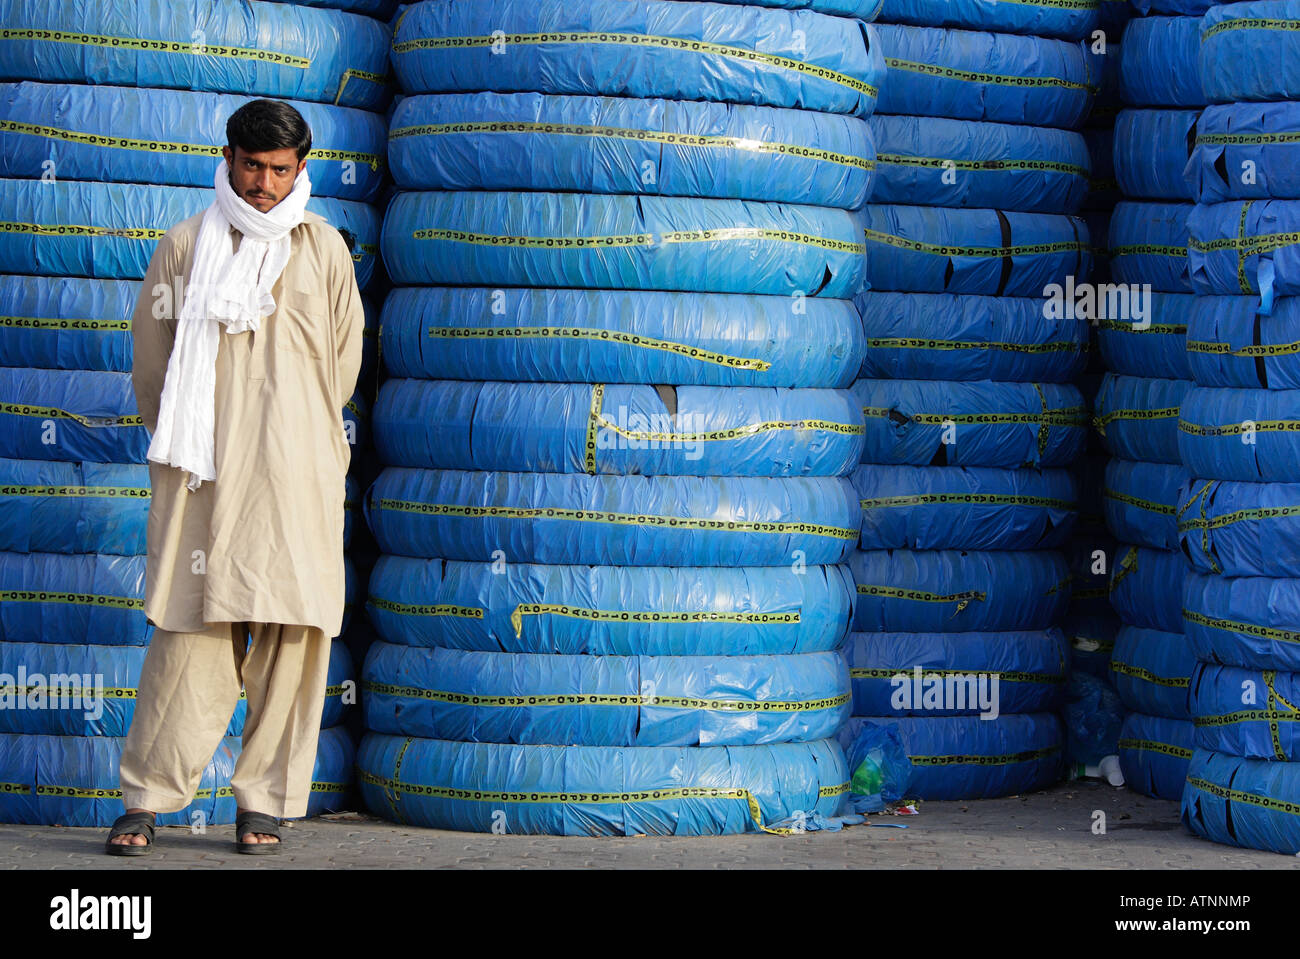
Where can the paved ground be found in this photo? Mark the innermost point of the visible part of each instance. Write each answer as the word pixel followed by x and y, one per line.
pixel 1052 829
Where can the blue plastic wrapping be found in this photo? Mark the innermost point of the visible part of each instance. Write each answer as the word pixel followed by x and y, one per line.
pixel 1107 102
pixel 1248 435
pixel 598 790
pixel 1158 62
pixel 935 250
pixel 245 47
pixel 644 48
pixel 1241 529
pixel 1172 7
pixel 339 695
pixel 966 757
pixel 1069 20
pixel 82 599
pixel 957 673
pixel 952 591
pixel 356 420
pixel 945 336
pixel 1251 51
pixel 112 133
pixel 1154 344
pixel 709 339
pixel 1243 802
pixel 1140 500
pixel 60 689
pixel 70 415
pixel 1246 151
pixel 1151 150
pixel 380 9
pixel 859 9
pixel 1246 712
pixel 996 165
pixel 1148 245
pixel 622 242
pixel 959 507
pixel 533 141
pixel 970 75
pixel 50 507
pixel 1154 753
pixel 1152 671
pixel 1137 416
pixel 613 520
pixel 1247 247
pixel 1146 587
pixel 618 429
pixel 66 323
pixel 535 700
pixel 332 776
pixel 609 610
pixel 109 230
pixel 1092 639
pixel 1093 717
pixel 1248 621
pixel 937 423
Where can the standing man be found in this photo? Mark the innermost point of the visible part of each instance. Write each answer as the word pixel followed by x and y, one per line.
pixel 247 337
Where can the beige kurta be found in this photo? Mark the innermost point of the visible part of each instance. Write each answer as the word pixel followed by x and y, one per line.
pixel 264 542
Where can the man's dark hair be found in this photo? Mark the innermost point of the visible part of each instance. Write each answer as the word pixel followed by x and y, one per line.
pixel 260 126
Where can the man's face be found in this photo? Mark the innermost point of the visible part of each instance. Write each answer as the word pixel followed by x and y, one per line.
pixel 263 179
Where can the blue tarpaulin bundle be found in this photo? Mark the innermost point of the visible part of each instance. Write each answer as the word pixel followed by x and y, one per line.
pixel 1249 621
pixel 1152 670
pixel 113 134
pixel 1243 802
pixel 1140 499
pixel 1072 21
pixel 937 250
pixel 70 415
pixel 1153 344
pixel 1158 59
pixel 53 507
pixel 954 591
pixel 1230 344
pixel 610 610
pixel 1148 245
pixel 959 507
pixel 66 323
pixel 1251 51
pixel 972 75
pixel 615 520
pixel 1154 753
pixel 235 46
pixel 1146 587
pixel 621 336
pixel 1137 416
pixel 937 423
pixel 619 429
pixel 533 141
pixel 1241 529
pixel 967 757
pixel 643 48
pixel 1151 152
pixel 959 337
pixel 1029 668
pixel 598 790
pixel 622 242
pixel 1246 151
pixel 83 598
pixel 1248 435
pixel 1249 248
pixel 1246 712
pixel 534 699
pixel 998 165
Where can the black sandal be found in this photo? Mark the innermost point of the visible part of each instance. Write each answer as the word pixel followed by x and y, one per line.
pixel 131 824
pixel 256 822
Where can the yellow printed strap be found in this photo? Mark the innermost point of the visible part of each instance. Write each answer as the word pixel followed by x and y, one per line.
pixel 78 792
pixel 61 323
pixel 962 600
pixel 1236 429
pixel 732 433
pixel 1122 326
pixel 77 229
pixel 593 333
pixel 905 672
pixel 1162 413
pixel 1220 139
pixel 923 343
pixel 1250 23
pixel 50 412
pixel 1027 756
pixel 394 787
pixel 1250 799
pixel 143 45
pixel 723 234
pixel 75 599
pixel 1063 416
pixel 71 691
pixel 1259 243
pixel 77 492
pixel 643 616
pixel 404 609
pixel 1023 249
pixel 1162 509
pixel 975 76
pixel 604 699
pixel 977 499
pixel 1144 674
pixel 1150 745
pixel 1250 349
pixel 1246 629
pixel 979 166
pixel 1148 249
pixel 324 787
pixel 639 40
pixel 625 133
pixel 621 519
pixel 1249 716
pixel 1239 516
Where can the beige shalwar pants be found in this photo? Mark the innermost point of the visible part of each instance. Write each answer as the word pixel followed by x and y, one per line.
pixel 189 687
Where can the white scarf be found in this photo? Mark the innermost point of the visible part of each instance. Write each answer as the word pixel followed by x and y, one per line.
pixel 224 288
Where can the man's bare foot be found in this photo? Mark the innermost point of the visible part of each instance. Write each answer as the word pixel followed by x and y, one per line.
pixel 135 838
pixel 254 837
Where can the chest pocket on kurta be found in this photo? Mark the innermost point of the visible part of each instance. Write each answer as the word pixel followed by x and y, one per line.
pixel 301 325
